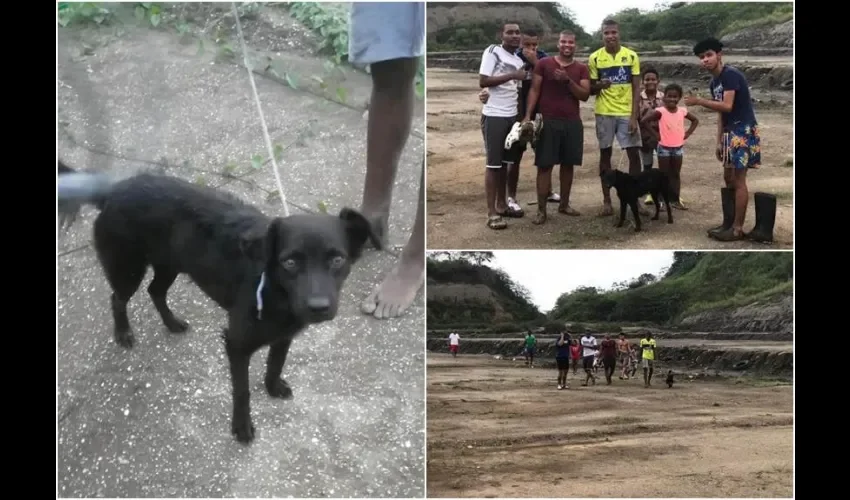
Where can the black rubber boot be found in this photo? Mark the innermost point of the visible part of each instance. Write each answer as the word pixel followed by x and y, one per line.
pixel 727 197
pixel 765 218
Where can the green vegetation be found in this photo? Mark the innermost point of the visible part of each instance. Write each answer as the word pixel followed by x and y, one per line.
pixel 693 21
pixel 673 23
pixel 695 282
pixel 470 268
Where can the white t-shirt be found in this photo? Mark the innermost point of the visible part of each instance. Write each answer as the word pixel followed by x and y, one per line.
pixel 503 98
pixel 588 342
pixel 454 339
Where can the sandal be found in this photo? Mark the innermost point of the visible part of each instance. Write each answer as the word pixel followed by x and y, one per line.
pixel 728 235
pixel 496 222
pixel 540 218
pixel 568 210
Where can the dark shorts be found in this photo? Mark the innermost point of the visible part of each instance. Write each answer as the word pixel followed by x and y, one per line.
pixel 563 363
pixel 495 130
pixel 609 362
pixel 587 362
pixel 529 351
pixel 561 143
pixel 741 147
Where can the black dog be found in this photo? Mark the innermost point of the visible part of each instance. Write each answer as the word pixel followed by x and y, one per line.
pixel 630 188
pixel 670 379
pixel 273 276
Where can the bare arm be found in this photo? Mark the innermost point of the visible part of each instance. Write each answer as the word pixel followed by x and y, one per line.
pixel 694 124
pixel 635 96
pixel 651 116
pixel 494 81
pixel 533 95
pixel 580 89
pixel 724 106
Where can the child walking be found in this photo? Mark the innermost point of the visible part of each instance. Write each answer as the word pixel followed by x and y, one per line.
pixel 672 136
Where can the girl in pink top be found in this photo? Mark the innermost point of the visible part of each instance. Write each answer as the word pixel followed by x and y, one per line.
pixel 672 136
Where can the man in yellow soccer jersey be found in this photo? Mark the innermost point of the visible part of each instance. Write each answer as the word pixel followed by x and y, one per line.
pixel 647 354
pixel 615 81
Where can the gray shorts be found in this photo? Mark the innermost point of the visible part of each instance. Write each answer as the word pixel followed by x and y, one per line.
pixel 382 31
pixel 607 127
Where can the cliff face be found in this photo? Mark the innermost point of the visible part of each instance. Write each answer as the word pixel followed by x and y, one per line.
pixel 775 315
pixel 776 36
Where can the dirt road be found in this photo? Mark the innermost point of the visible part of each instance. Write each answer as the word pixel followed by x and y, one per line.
pixel 497 429
pixel 455 178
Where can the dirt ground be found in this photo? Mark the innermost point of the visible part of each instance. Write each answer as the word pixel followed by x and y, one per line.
pixel 499 429
pixel 455 178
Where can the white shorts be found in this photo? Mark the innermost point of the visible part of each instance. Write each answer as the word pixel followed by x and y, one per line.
pixel 382 31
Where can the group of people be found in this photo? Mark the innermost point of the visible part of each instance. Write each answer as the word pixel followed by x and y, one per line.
pixel 587 351
pixel 521 83
pixel 570 352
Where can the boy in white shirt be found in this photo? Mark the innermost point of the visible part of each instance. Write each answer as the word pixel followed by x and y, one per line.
pixel 454 343
pixel 588 347
pixel 501 70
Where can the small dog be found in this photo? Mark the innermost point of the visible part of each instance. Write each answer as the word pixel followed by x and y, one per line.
pixel 274 276
pixel 670 379
pixel 630 188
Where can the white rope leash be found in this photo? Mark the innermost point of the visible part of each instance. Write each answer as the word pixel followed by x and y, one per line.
pixel 260 111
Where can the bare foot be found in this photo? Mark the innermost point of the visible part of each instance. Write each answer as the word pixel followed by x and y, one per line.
pixel 395 294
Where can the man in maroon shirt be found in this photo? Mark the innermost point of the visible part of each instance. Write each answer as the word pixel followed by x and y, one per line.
pixel 558 83
pixel 608 353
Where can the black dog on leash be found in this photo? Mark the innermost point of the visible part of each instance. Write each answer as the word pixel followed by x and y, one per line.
pixel 631 187
pixel 273 276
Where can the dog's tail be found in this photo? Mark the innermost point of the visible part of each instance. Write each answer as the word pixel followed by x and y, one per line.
pixel 75 189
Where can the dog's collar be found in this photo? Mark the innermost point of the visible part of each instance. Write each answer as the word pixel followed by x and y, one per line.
pixel 260 295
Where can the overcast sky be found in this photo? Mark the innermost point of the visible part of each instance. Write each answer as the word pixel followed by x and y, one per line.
pixel 549 273
pixel 590 13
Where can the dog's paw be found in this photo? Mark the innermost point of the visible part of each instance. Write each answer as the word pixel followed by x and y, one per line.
pixel 177 325
pixel 243 430
pixel 124 339
pixel 279 389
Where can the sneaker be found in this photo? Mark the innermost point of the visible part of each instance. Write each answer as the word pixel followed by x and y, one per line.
pixel 554 198
pixel 514 205
pixel 560 387
pixel 648 200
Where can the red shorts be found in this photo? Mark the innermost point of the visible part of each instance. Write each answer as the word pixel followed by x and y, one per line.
pixel 453 348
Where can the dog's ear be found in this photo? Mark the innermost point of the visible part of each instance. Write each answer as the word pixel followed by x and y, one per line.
pixel 260 243
pixel 357 230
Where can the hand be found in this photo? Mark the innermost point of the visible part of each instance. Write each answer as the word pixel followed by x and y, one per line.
pixel 687 134
pixel 562 76
pixel 484 96
pixel 718 152
pixel 692 100
pixel 531 55
pixel 604 83
pixel 633 125
pixel 519 74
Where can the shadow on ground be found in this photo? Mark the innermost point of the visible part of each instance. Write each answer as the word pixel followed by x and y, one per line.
pixel 154 421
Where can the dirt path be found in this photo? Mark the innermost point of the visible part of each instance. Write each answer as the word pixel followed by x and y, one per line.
pixel 499 430
pixel 455 177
